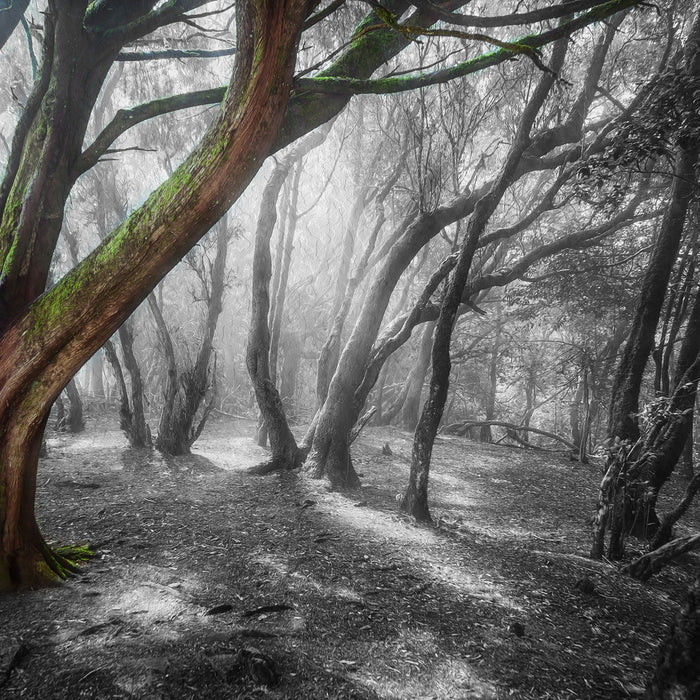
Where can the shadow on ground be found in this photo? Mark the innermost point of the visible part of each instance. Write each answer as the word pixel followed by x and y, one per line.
pixel 211 582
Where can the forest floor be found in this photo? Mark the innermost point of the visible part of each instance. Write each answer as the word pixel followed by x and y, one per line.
pixel 209 582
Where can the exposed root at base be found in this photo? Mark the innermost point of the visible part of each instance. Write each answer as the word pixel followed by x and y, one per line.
pixel 272 465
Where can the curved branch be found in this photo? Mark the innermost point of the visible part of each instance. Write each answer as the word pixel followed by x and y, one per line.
pixel 149 21
pixel 458 427
pixel 524 45
pixel 173 53
pixel 577 240
pixel 124 119
pixel 649 564
pixel 322 14
pixel 520 18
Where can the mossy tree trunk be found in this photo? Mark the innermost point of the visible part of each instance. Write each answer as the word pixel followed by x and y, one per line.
pixel 45 338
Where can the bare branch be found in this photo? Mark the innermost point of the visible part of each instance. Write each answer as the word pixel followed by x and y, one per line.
pixel 552 12
pixel 126 118
pixel 173 53
pixel 322 14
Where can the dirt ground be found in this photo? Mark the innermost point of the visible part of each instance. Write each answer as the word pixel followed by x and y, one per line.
pixel 212 583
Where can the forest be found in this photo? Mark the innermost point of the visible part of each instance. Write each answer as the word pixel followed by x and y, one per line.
pixel 349 349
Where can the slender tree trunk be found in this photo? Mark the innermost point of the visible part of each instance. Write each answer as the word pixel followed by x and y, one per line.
pixel 259 356
pixel 125 414
pixel 286 263
pixel 416 379
pixel 187 389
pixel 623 507
pixel 624 405
pixel 285 452
pixel 415 499
pixel 97 387
pixel 490 412
pixel 575 415
pixel 628 494
pixel 74 421
pixel 137 431
pixel 291 361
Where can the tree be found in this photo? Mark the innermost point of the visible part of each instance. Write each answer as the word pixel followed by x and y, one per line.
pixel 49 336
pixel 46 337
pixel 329 454
pixel 415 499
pixel 191 388
pixel 285 452
pixel 619 512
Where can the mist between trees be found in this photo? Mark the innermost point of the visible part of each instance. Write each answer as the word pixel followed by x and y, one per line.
pixel 332 215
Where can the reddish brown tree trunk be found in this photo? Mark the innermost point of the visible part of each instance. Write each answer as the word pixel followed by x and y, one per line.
pixel 44 344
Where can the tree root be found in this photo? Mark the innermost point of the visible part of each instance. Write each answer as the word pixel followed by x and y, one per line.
pixel 276 464
pixel 646 566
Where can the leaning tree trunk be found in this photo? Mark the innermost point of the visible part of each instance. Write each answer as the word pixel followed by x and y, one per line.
pixel 415 498
pixel 416 379
pixel 624 406
pixel 634 477
pixel 46 338
pixel 75 423
pixel 186 390
pixel 619 511
pixel 285 452
pixel 138 433
pixel 330 446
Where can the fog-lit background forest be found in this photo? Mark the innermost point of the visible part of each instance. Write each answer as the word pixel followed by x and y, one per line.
pixel 473 227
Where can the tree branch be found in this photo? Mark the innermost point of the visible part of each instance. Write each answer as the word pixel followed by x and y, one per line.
pixel 168 13
pixel 173 53
pixel 524 45
pixel 126 118
pixel 322 14
pixel 10 17
pixel 552 12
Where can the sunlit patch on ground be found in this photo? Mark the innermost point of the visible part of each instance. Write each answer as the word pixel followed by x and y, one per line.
pixel 239 453
pixel 412 665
